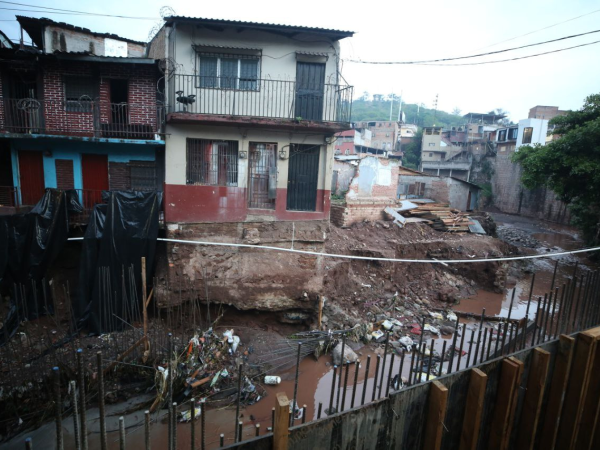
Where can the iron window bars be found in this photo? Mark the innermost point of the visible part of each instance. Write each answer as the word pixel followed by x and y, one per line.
pixel 211 162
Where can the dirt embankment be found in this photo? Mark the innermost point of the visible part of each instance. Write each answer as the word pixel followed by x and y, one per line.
pixel 356 290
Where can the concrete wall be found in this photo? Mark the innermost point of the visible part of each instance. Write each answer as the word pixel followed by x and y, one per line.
pixel 375 178
pixel 277 62
pixel 185 203
pixel 61 39
pixel 345 174
pixel 511 197
pixel 540 129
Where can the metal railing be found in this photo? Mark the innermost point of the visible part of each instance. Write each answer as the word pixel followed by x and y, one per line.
pixel 264 98
pixel 9 196
pixel 81 118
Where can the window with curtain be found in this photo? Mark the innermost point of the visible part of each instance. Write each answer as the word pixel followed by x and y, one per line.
pixel 527 134
pixel 228 71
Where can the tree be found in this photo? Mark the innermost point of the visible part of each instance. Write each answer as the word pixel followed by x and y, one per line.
pixel 412 152
pixel 456 111
pixel 570 165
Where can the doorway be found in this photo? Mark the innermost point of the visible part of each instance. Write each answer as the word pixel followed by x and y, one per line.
pixel 31 176
pixel 303 175
pixel 262 179
pixel 119 96
pixel 310 84
pixel 94 170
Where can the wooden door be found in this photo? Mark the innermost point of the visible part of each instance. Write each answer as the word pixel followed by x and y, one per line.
pixel 94 170
pixel 310 85
pixel 31 176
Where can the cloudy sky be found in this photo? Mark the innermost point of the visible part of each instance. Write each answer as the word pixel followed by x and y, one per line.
pixel 405 31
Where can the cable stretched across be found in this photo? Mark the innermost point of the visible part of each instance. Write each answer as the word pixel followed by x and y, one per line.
pixel 372 258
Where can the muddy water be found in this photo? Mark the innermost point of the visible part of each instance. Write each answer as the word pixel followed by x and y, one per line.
pixel 499 304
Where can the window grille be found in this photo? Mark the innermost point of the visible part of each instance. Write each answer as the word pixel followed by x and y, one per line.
pixel 143 175
pixel 226 71
pixel 502 135
pixel 80 93
pixel 213 163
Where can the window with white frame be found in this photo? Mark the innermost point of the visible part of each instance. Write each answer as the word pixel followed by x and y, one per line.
pixel 224 71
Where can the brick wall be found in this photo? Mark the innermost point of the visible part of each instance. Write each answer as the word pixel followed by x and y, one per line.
pixel 511 197
pixel 64 174
pixel 118 176
pixel 344 215
pixel 141 87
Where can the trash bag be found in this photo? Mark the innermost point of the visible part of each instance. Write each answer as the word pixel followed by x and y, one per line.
pixel 118 235
pixel 29 243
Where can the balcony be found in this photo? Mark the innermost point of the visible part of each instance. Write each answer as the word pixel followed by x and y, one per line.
pixel 226 101
pixel 93 119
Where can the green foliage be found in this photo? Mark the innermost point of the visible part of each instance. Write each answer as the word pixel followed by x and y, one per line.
pixel 486 194
pixel 412 152
pixel 379 109
pixel 487 170
pixel 570 165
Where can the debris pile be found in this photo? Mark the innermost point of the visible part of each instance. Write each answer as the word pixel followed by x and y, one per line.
pixel 441 217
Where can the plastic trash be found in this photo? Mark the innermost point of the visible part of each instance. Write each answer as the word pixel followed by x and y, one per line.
pixel 229 335
pixel 436 315
pixel 406 341
pixel 377 334
pixel 452 317
pixel 272 380
pixel 387 324
pixel 186 416
pixel 235 343
pixel 431 329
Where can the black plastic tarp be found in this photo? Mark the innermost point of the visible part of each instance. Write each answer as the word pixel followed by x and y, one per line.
pixel 118 235
pixel 29 243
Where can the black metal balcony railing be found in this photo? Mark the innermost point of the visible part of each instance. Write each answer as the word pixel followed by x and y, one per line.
pixel 262 98
pixel 81 118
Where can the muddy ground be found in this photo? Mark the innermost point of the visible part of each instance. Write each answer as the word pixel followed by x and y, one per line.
pixel 359 292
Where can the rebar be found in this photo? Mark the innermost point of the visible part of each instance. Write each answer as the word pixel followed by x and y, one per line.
pixel 122 433
pixel 462 341
pixel 75 416
pixel 354 384
pixel 203 423
pixel 193 423
pixel 364 390
pixel 103 443
pixel 331 407
pixel 385 350
pixel 375 378
pixel 174 419
pixel 147 429
pixel 389 380
pixel 58 409
pixel 319 410
pixel 81 373
pixel 453 349
pixel 237 402
pixel 293 416
pixel 337 403
pixel 344 391
pixel 303 414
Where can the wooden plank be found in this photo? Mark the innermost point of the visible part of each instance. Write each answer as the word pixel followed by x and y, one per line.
pixel 591 403
pixel 473 409
pixel 532 404
pixel 436 413
pixel 282 420
pixel 504 399
pixel 556 395
pixel 513 405
pixel 576 390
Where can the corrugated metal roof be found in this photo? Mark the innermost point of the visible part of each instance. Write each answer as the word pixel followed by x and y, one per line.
pixel 340 34
pixel 313 53
pixel 225 47
pixel 87 56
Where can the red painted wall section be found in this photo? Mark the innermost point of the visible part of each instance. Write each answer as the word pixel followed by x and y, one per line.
pixel 190 204
pixel 322 212
pixel 193 204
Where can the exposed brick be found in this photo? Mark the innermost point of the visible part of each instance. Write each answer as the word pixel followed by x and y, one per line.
pixel 64 174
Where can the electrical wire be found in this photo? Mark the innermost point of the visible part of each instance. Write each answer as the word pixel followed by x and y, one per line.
pixel 470 56
pixel 517 58
pixel 539 29
pixel 70 11
pixel 369 258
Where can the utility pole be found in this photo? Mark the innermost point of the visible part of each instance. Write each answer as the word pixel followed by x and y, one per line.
pixel 391 106
pixel 400 108
pixel 435 105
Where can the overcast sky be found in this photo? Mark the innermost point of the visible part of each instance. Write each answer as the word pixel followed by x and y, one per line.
pixel 401 31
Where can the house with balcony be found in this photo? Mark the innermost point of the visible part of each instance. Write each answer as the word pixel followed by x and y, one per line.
pixel 79 110
pixel 252 115
pixel 441 156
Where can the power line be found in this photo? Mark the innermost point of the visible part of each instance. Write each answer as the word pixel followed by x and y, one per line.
pixel 515 59
pixel 473 56
pixel 49 10
pixel 539 29
pixel 369 258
